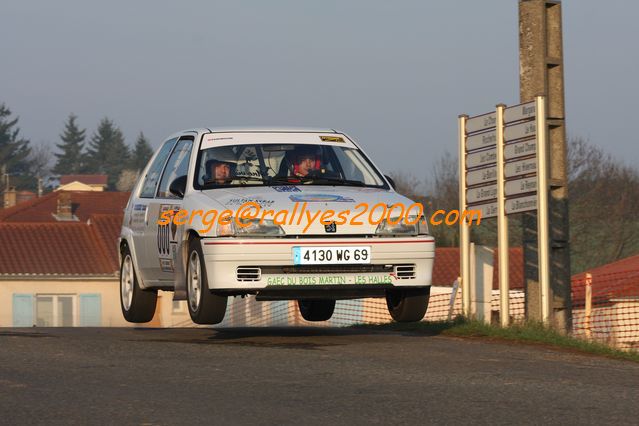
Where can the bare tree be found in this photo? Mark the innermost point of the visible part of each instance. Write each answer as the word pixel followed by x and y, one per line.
pixel 409 186
pixel 40 164
pixel 604 200
pixel 126 180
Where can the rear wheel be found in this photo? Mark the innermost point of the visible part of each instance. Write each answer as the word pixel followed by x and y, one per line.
pixel 316 310
pixel 204 306
pixel 407 304
pixel 137 305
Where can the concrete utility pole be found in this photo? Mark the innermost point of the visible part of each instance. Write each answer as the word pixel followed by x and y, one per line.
pixel 541 72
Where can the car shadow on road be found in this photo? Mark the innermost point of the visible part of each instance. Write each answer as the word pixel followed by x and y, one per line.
pixel 273 337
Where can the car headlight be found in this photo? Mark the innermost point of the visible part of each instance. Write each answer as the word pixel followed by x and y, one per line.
pixel 411 225
pixel 250 228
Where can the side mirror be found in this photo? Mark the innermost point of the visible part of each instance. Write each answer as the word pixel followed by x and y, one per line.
pixel 391 181
pixel 178 187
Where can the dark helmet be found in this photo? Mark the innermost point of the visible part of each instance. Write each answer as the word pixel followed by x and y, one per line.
pixel 305 151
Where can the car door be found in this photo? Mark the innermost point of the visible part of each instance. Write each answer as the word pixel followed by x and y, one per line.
pixel 140 210
pixel 161 240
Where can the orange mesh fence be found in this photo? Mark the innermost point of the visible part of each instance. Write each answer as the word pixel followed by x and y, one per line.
pixel 612 315
pixel 247 312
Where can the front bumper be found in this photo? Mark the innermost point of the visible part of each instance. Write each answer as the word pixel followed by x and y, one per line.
pixel 395 262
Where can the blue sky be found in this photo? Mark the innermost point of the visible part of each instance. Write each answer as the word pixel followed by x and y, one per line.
pixel 394 75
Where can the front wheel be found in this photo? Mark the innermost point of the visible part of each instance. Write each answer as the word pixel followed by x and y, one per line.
pixel 316 310
pixel 204 306
pixel 407 304
pixel 137 305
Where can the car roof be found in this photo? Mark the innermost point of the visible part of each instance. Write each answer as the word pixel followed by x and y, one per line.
pixel 251 129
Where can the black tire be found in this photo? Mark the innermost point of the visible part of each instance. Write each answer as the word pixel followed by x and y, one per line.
pixel 142 305
pixel 210 308
pixel 407 304
pixel 316 310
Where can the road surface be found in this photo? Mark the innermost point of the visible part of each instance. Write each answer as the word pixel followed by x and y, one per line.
pixel 301 376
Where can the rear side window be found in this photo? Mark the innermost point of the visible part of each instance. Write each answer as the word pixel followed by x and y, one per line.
pixel 177 166
pixel 153 174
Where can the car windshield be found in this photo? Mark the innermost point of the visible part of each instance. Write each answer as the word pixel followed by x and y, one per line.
pixel 284 164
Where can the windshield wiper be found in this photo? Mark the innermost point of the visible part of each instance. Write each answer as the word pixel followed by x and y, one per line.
pixel 334 181
pixel 268 181
pixel 212 184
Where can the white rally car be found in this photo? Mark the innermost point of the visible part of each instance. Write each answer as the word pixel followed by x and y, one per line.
pixel 188 226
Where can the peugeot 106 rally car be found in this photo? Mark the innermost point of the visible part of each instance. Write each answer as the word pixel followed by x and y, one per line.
pixel 283 214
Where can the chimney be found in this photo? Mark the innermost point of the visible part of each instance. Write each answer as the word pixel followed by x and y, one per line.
pixel 24 196
pixel 64 209
pixel 10 197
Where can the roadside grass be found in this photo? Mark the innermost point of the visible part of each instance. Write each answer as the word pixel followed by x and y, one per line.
pixel 533 333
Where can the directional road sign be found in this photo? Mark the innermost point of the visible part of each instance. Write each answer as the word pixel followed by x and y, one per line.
pixel 481 140
pixel 487 210
pixel 522 204
pixel 520 186
pixel 520 149
pixel 481 158
pixel 521 167
pixel 520 112
pixel 481 122
pixel 519 131
pixel 481 193
pixel 476 177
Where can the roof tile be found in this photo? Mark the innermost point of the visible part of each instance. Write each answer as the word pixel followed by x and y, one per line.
pixel 83 204
pixel 54 248
pixel 86 179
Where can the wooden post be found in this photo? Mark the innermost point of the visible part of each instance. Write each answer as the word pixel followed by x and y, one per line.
pixel 588 312
pixel 464 232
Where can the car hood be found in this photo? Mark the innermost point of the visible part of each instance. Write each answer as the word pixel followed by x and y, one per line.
pixel 310 200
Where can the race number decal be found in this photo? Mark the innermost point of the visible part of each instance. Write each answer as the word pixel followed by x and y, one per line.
pixel 166 238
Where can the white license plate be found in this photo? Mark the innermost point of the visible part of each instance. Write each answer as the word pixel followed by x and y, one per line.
pixel 331 255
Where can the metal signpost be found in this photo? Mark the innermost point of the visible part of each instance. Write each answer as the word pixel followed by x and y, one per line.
pixel 503 171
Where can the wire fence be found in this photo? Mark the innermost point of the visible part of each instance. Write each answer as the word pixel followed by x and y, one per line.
pixel 605 309
pixel 443 305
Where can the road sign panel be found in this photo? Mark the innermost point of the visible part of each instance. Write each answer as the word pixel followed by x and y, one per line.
pixel 487 175
pixel 482 140
pixel 521 167
pixel 520 112
pixel 520 186
pixel 522 204
pixel 482 193
pixel 521 130
pixel 520 149
pixel 487 210
pixel 481 122
pixel 481 158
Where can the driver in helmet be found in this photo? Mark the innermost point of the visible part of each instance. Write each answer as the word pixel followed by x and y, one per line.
pixel 306 162
pixel 221 168
pixel 220 172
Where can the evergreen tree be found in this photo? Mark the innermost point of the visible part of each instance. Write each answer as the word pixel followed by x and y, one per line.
pixel 141 153
pixel 70 159
pixel 107 152
pixel 15 152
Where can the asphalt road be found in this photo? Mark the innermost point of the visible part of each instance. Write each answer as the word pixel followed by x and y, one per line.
pixel 301 376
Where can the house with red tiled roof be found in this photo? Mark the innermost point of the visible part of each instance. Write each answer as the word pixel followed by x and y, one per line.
pixel 83 183
pixel 446 268
pixel 446 271
pixel 59 264
pixel 66 206
pixel 612 313
pixel 58 274
pixel 610 282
